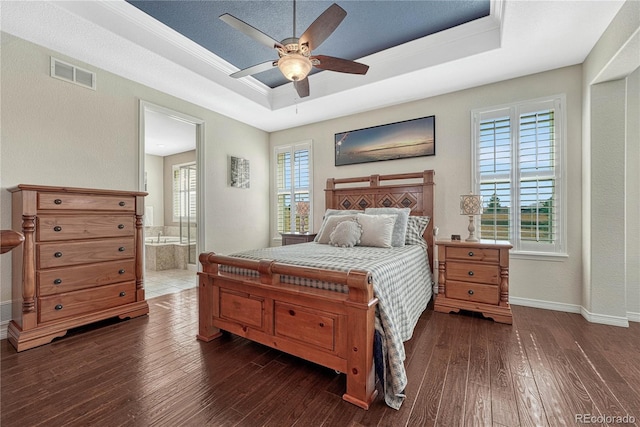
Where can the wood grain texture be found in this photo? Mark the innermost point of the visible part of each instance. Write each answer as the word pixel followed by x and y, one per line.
pixel 463 370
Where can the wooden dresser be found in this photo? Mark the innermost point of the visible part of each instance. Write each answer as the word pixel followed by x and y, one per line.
pixel 474 276
pixel 81 260
pixel 295 238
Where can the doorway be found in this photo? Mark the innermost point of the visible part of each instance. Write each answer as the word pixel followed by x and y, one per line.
pixel 170 159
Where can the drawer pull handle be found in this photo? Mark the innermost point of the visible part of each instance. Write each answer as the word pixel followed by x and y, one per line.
pixel 121 248
pixel 121 203
pixel 470 253
pixel 121 271
pixel 57 201
pixel 58 307
pixel 322 324
pixel 470 291
pixel 291 312
pixel 57 228
pixel 58 254
pixel 57 281
pixel 120 226
pixel 123 293
pixel 471 273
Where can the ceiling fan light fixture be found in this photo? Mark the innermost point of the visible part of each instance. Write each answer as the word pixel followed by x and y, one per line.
pixel 294 66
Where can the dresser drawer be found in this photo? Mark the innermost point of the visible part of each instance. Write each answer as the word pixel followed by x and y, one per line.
pixel 248 310
pixel 61 227
pixel 474 254
pixel 86 301
pixel 57 281
pixel 312 327
pixel 89 202
pixel 50 255
pixel 470 272
pixel 487 294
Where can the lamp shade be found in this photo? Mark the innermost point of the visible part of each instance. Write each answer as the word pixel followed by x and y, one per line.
pixel 470 204
pixel 302 208
pixel 294 66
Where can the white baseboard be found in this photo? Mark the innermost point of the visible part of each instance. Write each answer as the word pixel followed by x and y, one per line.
pixel 604 319
pixel 3 330
pixel 633 317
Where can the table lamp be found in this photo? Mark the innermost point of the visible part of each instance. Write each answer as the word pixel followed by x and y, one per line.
pixel 471 205
pixel 302 209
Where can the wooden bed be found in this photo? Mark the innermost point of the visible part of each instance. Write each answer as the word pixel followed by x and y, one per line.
pixel 329 328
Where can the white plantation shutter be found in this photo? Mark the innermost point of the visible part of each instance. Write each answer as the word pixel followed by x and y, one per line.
pixel 518 166
pixel 184 191
pixel 293 184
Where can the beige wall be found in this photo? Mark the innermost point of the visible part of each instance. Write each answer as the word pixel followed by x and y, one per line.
pixel 611 288
pixel 154 168
pixel 57 133
pixel 556 282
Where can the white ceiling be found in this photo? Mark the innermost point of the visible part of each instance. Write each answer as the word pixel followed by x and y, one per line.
pixel 520 37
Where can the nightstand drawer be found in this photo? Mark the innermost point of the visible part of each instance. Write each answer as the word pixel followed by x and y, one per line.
pixel 470 272
pixel 474 254
pixel 487 294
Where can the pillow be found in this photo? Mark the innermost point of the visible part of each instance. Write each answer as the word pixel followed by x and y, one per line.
pixel 346 234
pixel 400 229
pixel 329 224
pixel 327 214
pixel 415 229
pixel 377 230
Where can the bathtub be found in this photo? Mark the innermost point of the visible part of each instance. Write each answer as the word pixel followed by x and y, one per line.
pixel 169 254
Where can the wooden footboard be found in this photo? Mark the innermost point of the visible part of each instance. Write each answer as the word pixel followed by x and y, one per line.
pixel 329 328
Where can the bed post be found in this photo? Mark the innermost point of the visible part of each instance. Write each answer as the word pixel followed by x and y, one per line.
pixel 361 309
pixel 206 330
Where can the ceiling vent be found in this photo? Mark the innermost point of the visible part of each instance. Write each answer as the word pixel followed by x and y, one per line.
pixel 70 73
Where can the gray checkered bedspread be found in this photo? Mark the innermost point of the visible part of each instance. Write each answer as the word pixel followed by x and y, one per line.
pixel 401 282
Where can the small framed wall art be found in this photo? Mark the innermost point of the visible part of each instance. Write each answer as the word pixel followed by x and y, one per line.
pixel 239 172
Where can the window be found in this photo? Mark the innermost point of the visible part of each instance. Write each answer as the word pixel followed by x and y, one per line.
pixel 184 192
pixel 293 181
pixel 518 169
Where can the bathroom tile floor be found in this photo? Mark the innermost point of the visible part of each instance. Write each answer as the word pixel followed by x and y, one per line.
pixel 164 282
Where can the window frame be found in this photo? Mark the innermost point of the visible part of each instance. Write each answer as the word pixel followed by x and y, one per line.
pixel 514 111
pixel 174 167
pixel 291 149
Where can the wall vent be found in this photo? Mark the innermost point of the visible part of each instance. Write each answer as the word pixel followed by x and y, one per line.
pixel 70 73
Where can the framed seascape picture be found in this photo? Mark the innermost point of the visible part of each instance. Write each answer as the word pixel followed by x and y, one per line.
pixel 411 138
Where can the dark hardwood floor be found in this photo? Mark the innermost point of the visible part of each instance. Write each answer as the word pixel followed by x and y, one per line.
pixel 463 370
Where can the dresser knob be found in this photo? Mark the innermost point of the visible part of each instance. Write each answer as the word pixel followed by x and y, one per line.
pixel 123 293
pixel 121 248
pixel 58 307
pixel 470 291
pixel 57 201
pixel 57 228
pixel 121 271
pixel 470 253
pixel 121 203
pixel 58 254
pixel 57 281
pixel 291 312
pixel 120 226
pixel 471 273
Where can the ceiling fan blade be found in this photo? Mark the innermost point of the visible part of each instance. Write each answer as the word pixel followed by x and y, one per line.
pixel 254 69
pixel 323 26
pixel 340 65
pixel 250 31
pixel 302 87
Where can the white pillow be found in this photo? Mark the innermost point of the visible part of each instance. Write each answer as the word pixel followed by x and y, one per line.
pixel 346 234
pixel 377 230
pixel 400 228
pixel 327 214
pixel 329 224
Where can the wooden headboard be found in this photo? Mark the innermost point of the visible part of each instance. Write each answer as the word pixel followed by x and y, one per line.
pixel 406 190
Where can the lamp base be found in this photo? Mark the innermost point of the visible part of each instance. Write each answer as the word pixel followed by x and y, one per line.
pixel 472 230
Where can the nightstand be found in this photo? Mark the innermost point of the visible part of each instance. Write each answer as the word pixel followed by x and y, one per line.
pixel 295 238
pixel 474 276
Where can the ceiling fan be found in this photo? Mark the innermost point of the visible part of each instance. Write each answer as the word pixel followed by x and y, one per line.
pixel 295 59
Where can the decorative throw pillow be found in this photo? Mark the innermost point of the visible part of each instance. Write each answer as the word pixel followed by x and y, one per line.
pixel 331 212
pixel 329 224
pixel 400 228
pixel 346 234
pixel 377 230
pixel 415 229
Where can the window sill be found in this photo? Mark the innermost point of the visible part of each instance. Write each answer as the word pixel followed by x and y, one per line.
pixel 539 256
